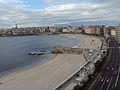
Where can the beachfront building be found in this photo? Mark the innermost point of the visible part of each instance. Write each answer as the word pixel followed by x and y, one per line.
pixel 2 32
pixel 116 31
pixel 107 30
pixel 19 31
pixel 78 31
pixel 56 29
pixel 93 30
pixel 65 30
pixel 52 29
pixel 88 30
pixel 113 32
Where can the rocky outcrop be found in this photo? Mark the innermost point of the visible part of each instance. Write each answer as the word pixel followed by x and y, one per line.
pixel 67 51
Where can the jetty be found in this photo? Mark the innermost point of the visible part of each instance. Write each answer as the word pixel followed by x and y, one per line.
pixel 67 50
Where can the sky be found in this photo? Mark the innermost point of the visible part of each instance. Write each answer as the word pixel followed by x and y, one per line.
pixel 28 13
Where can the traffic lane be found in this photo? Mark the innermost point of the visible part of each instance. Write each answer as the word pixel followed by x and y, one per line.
pixel 100 82
pixel 114 71
pixel 103 78
pixel 106 75
pixel 115 74
pixel 112 84
pixel 114 64
pixel 107 84
pixel 118 56
pixel 118 85
pixel 110 62
pixel 109 80
pixel 109 69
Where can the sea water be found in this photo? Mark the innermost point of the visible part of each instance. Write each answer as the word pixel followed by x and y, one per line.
pixel 14 50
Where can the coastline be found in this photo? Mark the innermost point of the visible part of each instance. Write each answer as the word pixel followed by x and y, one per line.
pixel 73 36
pixel 25 67
pixel 18 69
pixel 46 73
pixel 43 74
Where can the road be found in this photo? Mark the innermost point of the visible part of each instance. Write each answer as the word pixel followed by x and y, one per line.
pixel 109 79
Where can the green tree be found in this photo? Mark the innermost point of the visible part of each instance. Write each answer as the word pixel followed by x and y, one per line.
pixel 77 87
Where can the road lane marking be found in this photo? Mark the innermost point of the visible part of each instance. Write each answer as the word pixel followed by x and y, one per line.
pixel 102 79
pixel 109 83
pixel 117 77
pixel 99 79
pixel 103 84
pixel 108 80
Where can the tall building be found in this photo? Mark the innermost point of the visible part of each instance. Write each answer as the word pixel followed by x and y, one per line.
pixel 117 28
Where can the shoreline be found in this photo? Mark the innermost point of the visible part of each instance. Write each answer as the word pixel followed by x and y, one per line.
pixel 46 73
pixel 54 70
pixel 25 67
pixel 18 69
pixel 47 33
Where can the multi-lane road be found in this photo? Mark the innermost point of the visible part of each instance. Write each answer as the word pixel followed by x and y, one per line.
pixel 109 79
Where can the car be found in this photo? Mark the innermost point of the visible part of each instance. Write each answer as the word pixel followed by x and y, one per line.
pixel 91 50
pixel 112 68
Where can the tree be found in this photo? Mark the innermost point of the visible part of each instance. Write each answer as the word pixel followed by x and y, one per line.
pixel 98 65
pixel 77 87
pixel 90 76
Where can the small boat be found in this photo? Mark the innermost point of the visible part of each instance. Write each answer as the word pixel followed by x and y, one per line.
pixel 32 53
pixel 50 33
pixel 36 53
pixel 40 53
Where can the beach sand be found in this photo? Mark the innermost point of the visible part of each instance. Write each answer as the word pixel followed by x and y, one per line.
pixel 91 42
pixel 46 76
pixel 50 74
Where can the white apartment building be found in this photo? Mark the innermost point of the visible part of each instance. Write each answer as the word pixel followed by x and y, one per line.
pixel 117 28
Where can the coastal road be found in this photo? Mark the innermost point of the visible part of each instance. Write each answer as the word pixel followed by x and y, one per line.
pixel 110 77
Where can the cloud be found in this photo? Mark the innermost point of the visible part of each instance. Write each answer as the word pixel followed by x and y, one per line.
pixel 16 11
pixel 48 1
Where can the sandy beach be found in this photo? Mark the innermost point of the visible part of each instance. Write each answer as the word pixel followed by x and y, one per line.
pixel 91 42
pixel 45 76
pixel 50 74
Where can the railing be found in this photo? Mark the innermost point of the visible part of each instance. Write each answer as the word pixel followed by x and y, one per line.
pixel 62 83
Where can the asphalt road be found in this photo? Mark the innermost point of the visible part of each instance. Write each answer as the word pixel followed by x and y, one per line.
pixel 110 77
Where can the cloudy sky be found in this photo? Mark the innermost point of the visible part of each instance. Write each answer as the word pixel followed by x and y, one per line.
pixel 50 12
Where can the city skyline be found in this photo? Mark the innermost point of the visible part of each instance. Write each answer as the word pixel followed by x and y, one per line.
pixel 50 12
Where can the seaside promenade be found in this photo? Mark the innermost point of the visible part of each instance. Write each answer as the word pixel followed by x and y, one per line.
pixel 50 74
